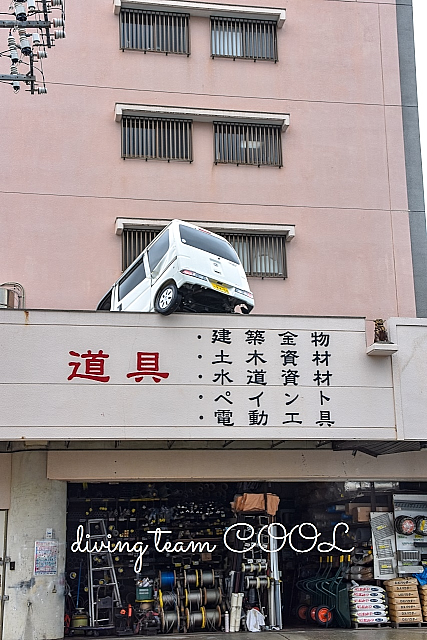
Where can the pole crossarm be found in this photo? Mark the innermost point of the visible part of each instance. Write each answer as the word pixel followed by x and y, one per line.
pixel 30 24
pixel 17 77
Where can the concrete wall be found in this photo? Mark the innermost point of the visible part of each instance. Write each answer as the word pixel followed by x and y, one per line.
pixel 35 607
pixel 343 183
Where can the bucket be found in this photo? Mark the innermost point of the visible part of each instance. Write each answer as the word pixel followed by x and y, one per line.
pixel 79 619
pixel 144 593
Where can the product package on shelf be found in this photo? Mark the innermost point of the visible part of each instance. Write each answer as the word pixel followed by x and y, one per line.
pixel 368 605
pixel 404 600
pixel 422 590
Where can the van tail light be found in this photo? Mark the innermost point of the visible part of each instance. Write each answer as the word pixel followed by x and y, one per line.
pixel 249 294
pixel 193 274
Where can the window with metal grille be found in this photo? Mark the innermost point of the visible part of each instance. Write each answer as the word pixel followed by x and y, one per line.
pixel 256 144
pixel 154 31
pixel 156 138
pixel 243 38
pixel 262 255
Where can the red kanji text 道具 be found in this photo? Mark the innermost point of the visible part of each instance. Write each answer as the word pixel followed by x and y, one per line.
pixel 147 364
pixel 94 366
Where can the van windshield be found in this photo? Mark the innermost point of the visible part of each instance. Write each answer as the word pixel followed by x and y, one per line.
pixel 207 242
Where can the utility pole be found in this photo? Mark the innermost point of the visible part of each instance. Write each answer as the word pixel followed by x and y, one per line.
pixel 31 23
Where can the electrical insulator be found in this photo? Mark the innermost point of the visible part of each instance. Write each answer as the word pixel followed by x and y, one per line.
pixel 58 22
pixel 14 72
pixel 31 6
pixel 41 54
pixel 41 90
pixel 12 49
pixel 20 11
pixel 59 34
pixel 25 45
pixel 56 3
pixel 36 40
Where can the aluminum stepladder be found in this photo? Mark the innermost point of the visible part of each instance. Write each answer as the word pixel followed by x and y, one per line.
pixel 101 609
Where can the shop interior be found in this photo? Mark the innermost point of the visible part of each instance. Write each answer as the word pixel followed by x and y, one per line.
pixel 207 556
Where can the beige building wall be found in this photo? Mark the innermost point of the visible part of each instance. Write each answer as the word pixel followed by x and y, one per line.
pixel 256 465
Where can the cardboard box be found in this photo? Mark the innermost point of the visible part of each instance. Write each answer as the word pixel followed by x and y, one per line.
pixel 361 513
pixel 352 505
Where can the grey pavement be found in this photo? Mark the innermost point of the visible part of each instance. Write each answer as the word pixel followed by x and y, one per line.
pixel 368 633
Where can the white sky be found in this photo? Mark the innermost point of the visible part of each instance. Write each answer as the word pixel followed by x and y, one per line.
pixel 420 22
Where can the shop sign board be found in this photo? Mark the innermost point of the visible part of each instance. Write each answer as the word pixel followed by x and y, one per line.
pixel 91 375
pixel 410 376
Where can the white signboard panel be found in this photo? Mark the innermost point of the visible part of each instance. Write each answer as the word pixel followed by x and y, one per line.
pixel 112 375
pixel 410 376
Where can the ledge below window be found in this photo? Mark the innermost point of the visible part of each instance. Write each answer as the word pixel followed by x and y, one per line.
pixel 200 115
pixel 205 9
pixel 287 230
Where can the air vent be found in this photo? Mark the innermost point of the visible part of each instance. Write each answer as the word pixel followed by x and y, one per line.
pixel 12 296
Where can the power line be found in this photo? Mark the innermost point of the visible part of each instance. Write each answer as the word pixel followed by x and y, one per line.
pixel 211 202
pixel 221 95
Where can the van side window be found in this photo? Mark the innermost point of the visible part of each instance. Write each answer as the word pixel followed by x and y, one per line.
pixel 132 279
pixel 158 250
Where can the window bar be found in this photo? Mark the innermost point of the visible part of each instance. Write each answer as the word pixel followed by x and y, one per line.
pixel 133 30
pixel 264 265
pixel 168 43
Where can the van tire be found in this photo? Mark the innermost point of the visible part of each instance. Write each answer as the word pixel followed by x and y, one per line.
pixel 167 299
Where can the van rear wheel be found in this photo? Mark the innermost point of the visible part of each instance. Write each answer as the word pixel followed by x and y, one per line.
pixel 167 299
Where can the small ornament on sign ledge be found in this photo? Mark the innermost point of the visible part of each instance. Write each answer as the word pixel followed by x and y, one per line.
pixel 382 346
pixel 381 334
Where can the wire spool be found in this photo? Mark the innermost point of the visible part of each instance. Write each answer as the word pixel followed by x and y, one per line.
pixel 212 597
pixel 167 580
pixel 405 525
pixel 253 567
pixel 169 620
pixel 252 596
pixel 168 600
pixel 207 578
pixel 213 618
pixel 192 578
pixel 196 620
pixel 421 525
pixel 262 582
pixel 193 599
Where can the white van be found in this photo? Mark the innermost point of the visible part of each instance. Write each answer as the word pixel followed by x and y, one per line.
pixel 185 268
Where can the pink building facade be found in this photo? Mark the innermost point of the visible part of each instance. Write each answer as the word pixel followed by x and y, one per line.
pixel 343 183
pixel 289 127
